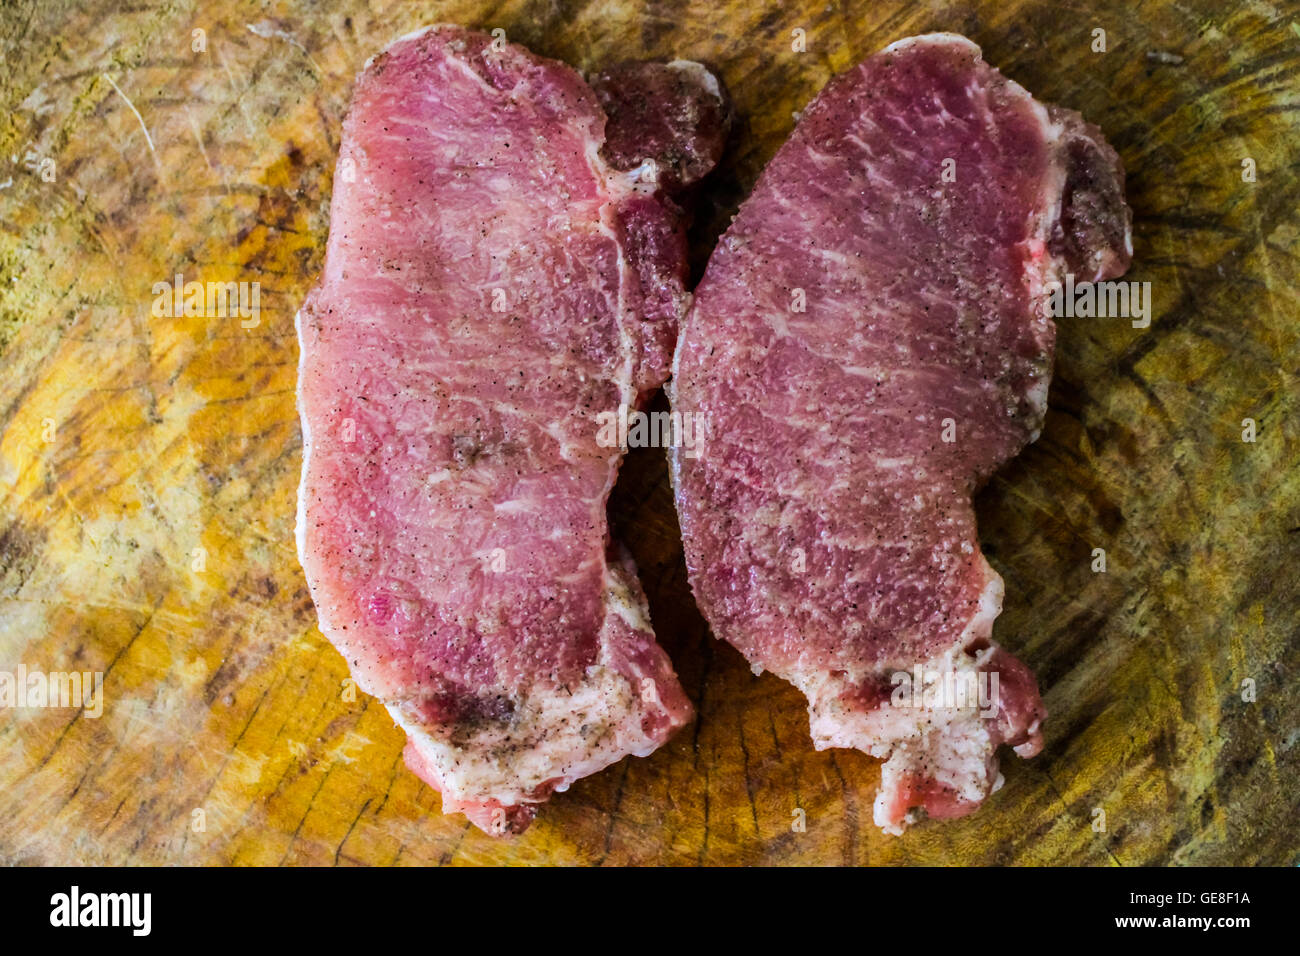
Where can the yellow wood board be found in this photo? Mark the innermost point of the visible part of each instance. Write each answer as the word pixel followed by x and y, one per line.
pixel 148 466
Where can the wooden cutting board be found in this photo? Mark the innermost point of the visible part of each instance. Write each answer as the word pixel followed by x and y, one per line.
pixel 148 465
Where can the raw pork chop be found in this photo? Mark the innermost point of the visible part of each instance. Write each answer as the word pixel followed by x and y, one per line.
pixel 491 285
pixel 860 310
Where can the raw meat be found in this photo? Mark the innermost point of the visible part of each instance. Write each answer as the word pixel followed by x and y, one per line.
pixel 868 344
pixel 492 283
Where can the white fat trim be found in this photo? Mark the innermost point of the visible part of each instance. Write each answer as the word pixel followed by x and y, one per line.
pixel 990 606
pixel 413 35
pixel 702 74
pixel 934 39
pixel 300 526
pixel 542 744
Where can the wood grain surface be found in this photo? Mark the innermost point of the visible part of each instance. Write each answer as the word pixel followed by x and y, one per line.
pixel 148 466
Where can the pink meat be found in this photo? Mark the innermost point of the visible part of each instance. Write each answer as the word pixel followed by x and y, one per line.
pixel 862 308
pixel 491 286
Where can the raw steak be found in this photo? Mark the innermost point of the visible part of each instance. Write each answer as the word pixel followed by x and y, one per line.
pixel 862 310
pixel 492 283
